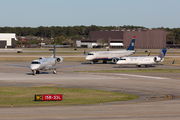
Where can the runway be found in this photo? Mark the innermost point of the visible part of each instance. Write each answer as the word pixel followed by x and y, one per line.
pixel 162 93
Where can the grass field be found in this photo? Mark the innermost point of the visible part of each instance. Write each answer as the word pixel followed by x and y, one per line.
pixel 24 96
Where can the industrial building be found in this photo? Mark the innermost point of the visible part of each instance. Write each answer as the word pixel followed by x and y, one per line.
pixel 145 39
pixel 7 40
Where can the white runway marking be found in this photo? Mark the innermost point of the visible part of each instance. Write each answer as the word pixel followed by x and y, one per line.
pixel 142 76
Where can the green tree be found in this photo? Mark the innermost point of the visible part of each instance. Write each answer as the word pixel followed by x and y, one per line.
pixel 59 40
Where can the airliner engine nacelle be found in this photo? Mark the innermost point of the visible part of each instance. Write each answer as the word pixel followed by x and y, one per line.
pixel 59 60
pixel 157 59
pixel 114 60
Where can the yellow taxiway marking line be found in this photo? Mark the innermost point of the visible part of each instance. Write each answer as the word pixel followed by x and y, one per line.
pixel 45 85
pixel 164 113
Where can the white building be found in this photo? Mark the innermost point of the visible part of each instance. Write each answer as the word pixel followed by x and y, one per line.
pixel 80 43
pixel 7 40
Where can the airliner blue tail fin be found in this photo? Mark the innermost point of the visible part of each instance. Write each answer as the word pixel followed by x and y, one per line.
pixel 131 46
pixel 162 53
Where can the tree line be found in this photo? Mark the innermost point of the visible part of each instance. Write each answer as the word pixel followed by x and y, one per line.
pixel 54 34
pixel 56 31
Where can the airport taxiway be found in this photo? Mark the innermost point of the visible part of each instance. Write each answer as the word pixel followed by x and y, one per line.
pixel 164 104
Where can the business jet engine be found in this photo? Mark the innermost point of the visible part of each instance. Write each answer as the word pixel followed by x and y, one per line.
pixel 157 59
pixel 59 60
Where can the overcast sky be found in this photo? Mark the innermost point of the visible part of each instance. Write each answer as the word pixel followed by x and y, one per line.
pixel 34 13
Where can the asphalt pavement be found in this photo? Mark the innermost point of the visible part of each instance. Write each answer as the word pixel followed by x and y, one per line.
pixel 159 96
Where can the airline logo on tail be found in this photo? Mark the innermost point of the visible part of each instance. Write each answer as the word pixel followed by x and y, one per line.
pixel 131 46
pixel 163 53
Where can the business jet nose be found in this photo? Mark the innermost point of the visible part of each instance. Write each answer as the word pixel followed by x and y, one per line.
pixel 34 66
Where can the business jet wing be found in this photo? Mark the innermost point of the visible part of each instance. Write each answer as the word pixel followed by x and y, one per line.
pixel 18 65
pixel 49 67
pixel 67 66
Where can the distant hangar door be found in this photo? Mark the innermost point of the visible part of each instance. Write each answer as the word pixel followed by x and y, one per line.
pixel 13 43
pixel 2 44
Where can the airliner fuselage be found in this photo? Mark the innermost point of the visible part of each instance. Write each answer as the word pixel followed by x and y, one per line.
pixel 108 55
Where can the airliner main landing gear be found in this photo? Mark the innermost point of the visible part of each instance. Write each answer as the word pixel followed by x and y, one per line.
pixel 95 61
pixel 146 66
pixel 104 62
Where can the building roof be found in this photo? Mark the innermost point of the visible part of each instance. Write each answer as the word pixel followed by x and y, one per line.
pixel 8 35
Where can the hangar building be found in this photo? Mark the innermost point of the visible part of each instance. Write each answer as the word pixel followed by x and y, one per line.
pixel 7 40
pixel 145 39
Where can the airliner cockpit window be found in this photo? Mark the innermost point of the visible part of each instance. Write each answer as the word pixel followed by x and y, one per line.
pixel 122 59
pixel 90 54
pixel 35 63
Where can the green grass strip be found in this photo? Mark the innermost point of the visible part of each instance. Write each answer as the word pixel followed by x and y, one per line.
pixel 24 96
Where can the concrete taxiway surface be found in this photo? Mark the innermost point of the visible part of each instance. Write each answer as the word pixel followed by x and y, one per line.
pixel 164 104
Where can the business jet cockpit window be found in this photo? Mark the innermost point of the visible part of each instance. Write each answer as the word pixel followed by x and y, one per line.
pixel 90 54
pixel 35 63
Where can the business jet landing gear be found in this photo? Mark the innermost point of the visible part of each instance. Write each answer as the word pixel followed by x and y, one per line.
pixel 34 72
pixel 54 71
pixel 37 72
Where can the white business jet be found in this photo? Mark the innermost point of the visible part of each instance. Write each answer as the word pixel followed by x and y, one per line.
pixel 46 63
pixel 142 60
pixel 113 56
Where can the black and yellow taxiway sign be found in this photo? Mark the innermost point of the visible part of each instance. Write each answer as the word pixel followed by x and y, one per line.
pixel 38 98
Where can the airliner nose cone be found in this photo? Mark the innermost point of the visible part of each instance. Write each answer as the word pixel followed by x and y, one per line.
pixel 88 58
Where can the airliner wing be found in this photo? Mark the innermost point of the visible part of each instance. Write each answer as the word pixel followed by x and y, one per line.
pixel 68 66
pixel 18 65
